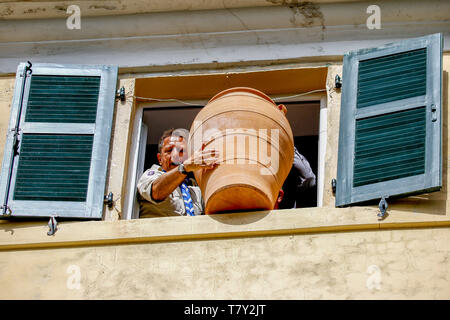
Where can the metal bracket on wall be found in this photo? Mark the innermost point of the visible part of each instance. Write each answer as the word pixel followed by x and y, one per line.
pixel 337 82
pixel 383 205
pixel 333 185
pixel 53 226
pixel 121 94
pixel 108 200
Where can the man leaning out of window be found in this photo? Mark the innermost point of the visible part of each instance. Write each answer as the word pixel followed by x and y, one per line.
pixel 170 189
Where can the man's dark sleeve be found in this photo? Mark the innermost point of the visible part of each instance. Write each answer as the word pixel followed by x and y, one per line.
pixel 307 178
pixel 299 185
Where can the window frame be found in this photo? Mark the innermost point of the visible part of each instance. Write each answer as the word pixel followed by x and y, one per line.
pixel 431 179
pixel 101 131
pixel 137 150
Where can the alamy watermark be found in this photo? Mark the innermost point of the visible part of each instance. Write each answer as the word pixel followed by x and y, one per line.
pixel 74 20
pixel 374 20
pixel 74 280
pixel 373 282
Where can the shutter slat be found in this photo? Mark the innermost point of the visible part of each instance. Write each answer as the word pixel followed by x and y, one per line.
pixel 64 79
pixel 374 162
pixel 383 135
pixel 380 64
pixel 53 167
pixel 394 58
pixel 391 78
pixel 50 109
pixel 49 95
pixel 387 87
pixel 394 174
pixel 398 93
pixel 394 76
pixel 61 88
pixel 387 71
pixel 55 175
pixel 405 143
pixel 66 97
pixel 74 104
pixel 377 160
pixel 387 171
pixel 381 123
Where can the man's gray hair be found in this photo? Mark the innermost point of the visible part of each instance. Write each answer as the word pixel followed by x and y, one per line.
pixel 180 132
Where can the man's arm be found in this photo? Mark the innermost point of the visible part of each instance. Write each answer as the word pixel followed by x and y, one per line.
pixel 307 176
pixel 168 182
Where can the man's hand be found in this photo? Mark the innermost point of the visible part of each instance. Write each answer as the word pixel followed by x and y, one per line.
pixel 166 183
pixel 203 159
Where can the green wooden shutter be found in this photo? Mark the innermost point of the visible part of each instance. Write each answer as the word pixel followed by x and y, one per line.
pixel 390 126
pixel 65 128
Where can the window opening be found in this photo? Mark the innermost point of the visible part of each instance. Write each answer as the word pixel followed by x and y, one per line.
pixel 303 117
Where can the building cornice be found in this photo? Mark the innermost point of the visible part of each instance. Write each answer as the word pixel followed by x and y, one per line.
pixel 218 37
pixel 50 9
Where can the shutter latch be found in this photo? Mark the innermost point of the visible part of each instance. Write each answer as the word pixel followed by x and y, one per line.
pixel 383 207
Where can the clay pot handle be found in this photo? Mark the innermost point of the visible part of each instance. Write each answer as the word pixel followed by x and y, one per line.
pixel 282 108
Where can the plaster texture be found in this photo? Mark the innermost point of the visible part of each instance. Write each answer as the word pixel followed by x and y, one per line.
pixel 390 264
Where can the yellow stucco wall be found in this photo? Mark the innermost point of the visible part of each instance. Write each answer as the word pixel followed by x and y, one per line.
pixel 255 256
pixel 6 94
pixel 330 266
pixel 292 254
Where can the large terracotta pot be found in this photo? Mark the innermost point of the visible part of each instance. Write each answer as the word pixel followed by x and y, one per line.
pixel 256 148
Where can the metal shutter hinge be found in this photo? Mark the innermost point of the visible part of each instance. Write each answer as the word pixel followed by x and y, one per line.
pixel 337 82
pixel 433 113
pixel 27 70
pixel 383 205
pixel 6 211
pixel 16 142
pixel 121 94
pixel 53 226
pixel 333 185
pixel 108 200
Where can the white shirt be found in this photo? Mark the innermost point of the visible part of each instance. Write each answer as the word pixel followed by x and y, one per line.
pixel 173 205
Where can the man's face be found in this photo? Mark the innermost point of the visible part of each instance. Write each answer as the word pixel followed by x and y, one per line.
pixel 172 153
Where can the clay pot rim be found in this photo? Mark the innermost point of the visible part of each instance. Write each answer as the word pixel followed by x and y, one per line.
pixel 244 89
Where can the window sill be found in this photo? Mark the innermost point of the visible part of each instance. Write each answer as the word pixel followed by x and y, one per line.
pixel 251 224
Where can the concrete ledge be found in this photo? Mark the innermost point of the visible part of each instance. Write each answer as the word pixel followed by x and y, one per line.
pixel 251 224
